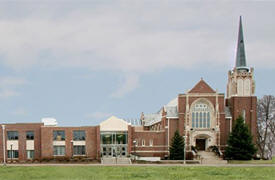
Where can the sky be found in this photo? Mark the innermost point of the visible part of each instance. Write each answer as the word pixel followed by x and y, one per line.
pixel 82 61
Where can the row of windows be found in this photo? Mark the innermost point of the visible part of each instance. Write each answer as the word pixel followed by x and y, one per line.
pixel 15 154
pixel 143 142
pixel 13 135
pixel 78 135
pixel 57 151
pixel 77 150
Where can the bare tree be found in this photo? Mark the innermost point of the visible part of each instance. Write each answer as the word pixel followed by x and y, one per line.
pixel 266 126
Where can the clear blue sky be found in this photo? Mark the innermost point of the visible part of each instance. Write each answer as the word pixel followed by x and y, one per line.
pixel 82 61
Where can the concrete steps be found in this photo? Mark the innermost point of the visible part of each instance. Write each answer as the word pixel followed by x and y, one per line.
pixel 116 160
pixel 210 158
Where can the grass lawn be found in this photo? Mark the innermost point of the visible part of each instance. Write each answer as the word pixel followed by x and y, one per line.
pixel 134 172
pixel 253 162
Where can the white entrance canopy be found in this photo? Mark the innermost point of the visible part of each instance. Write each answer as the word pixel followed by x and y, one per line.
pixel 114 124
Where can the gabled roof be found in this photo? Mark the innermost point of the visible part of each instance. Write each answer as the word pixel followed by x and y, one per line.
pixel 202 87
pixel 150 119
pixel 114 124
pixel 173 102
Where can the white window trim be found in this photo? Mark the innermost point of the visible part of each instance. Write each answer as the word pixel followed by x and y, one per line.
pixel 143 142
pixel 151 142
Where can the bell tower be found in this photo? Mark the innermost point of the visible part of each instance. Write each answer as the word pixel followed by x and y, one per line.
pixel 241 88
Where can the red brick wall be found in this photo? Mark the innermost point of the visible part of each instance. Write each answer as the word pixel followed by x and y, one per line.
pixel 92 137
pixel 181 111
pixel 159 145
pixel 249 104
pixel 21 128
pixel 130 139
pixel 173 126
pixel 1 144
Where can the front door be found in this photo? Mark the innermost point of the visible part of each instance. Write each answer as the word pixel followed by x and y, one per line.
pixel 114 149
pixel 200 144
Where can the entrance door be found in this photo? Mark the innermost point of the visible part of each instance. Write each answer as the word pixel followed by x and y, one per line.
pixel 200 144
pixel 114 150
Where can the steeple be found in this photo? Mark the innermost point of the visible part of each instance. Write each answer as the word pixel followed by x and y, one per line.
pixel 240 57
pixel 241 78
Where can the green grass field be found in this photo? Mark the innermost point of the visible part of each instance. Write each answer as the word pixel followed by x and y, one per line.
pixel 134 172
pixel 252 162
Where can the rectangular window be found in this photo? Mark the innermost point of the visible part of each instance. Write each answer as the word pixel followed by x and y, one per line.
pixel 13 154
pixel 79 135
pixel 59 135
pixel 12 135
pixel 30 135
pixel 30 154
pixel 59 150
pixel 143 142
pixel 151 142
pixel 79 150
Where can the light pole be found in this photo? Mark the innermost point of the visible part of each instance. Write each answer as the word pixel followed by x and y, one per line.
pixel 184 157
pixel 11 153
pixel 72 148
pixel 4 145
pixel 135 142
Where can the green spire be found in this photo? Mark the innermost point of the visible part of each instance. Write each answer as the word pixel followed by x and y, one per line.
pixel 240 58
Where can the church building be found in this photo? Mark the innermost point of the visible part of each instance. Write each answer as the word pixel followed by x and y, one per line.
pixel 202 115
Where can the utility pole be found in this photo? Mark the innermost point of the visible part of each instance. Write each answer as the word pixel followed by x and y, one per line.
pixel 4 145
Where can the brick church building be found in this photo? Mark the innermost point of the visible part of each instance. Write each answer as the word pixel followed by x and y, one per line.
pixel 203 116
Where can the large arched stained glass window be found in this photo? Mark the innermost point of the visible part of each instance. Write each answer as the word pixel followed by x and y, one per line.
pixel 201 116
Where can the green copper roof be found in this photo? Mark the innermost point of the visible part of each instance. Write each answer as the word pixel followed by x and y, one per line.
pixel 240 58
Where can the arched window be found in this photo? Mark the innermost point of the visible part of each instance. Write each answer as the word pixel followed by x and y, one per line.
pixel 201 116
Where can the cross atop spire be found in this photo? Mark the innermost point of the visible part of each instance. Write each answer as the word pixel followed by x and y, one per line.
pixel 240 57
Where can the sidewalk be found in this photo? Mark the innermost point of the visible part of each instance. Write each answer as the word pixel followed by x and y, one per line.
pixel 185 165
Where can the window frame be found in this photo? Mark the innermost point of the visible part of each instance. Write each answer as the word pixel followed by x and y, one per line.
pixel 151 142
pixel 58 154
pixel 32 137
pixel 77 133
pixel 32 153
pixel 12 135
pixel 201 116
pixel 56 134
pixel 12 153
pixel 143 142
pixel 79 149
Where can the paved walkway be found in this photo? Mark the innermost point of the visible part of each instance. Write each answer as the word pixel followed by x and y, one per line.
pixel 184 165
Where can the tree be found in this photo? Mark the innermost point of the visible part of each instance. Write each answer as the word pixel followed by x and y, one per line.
pixel 177 147
pixel 240 145
pixel 266 126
